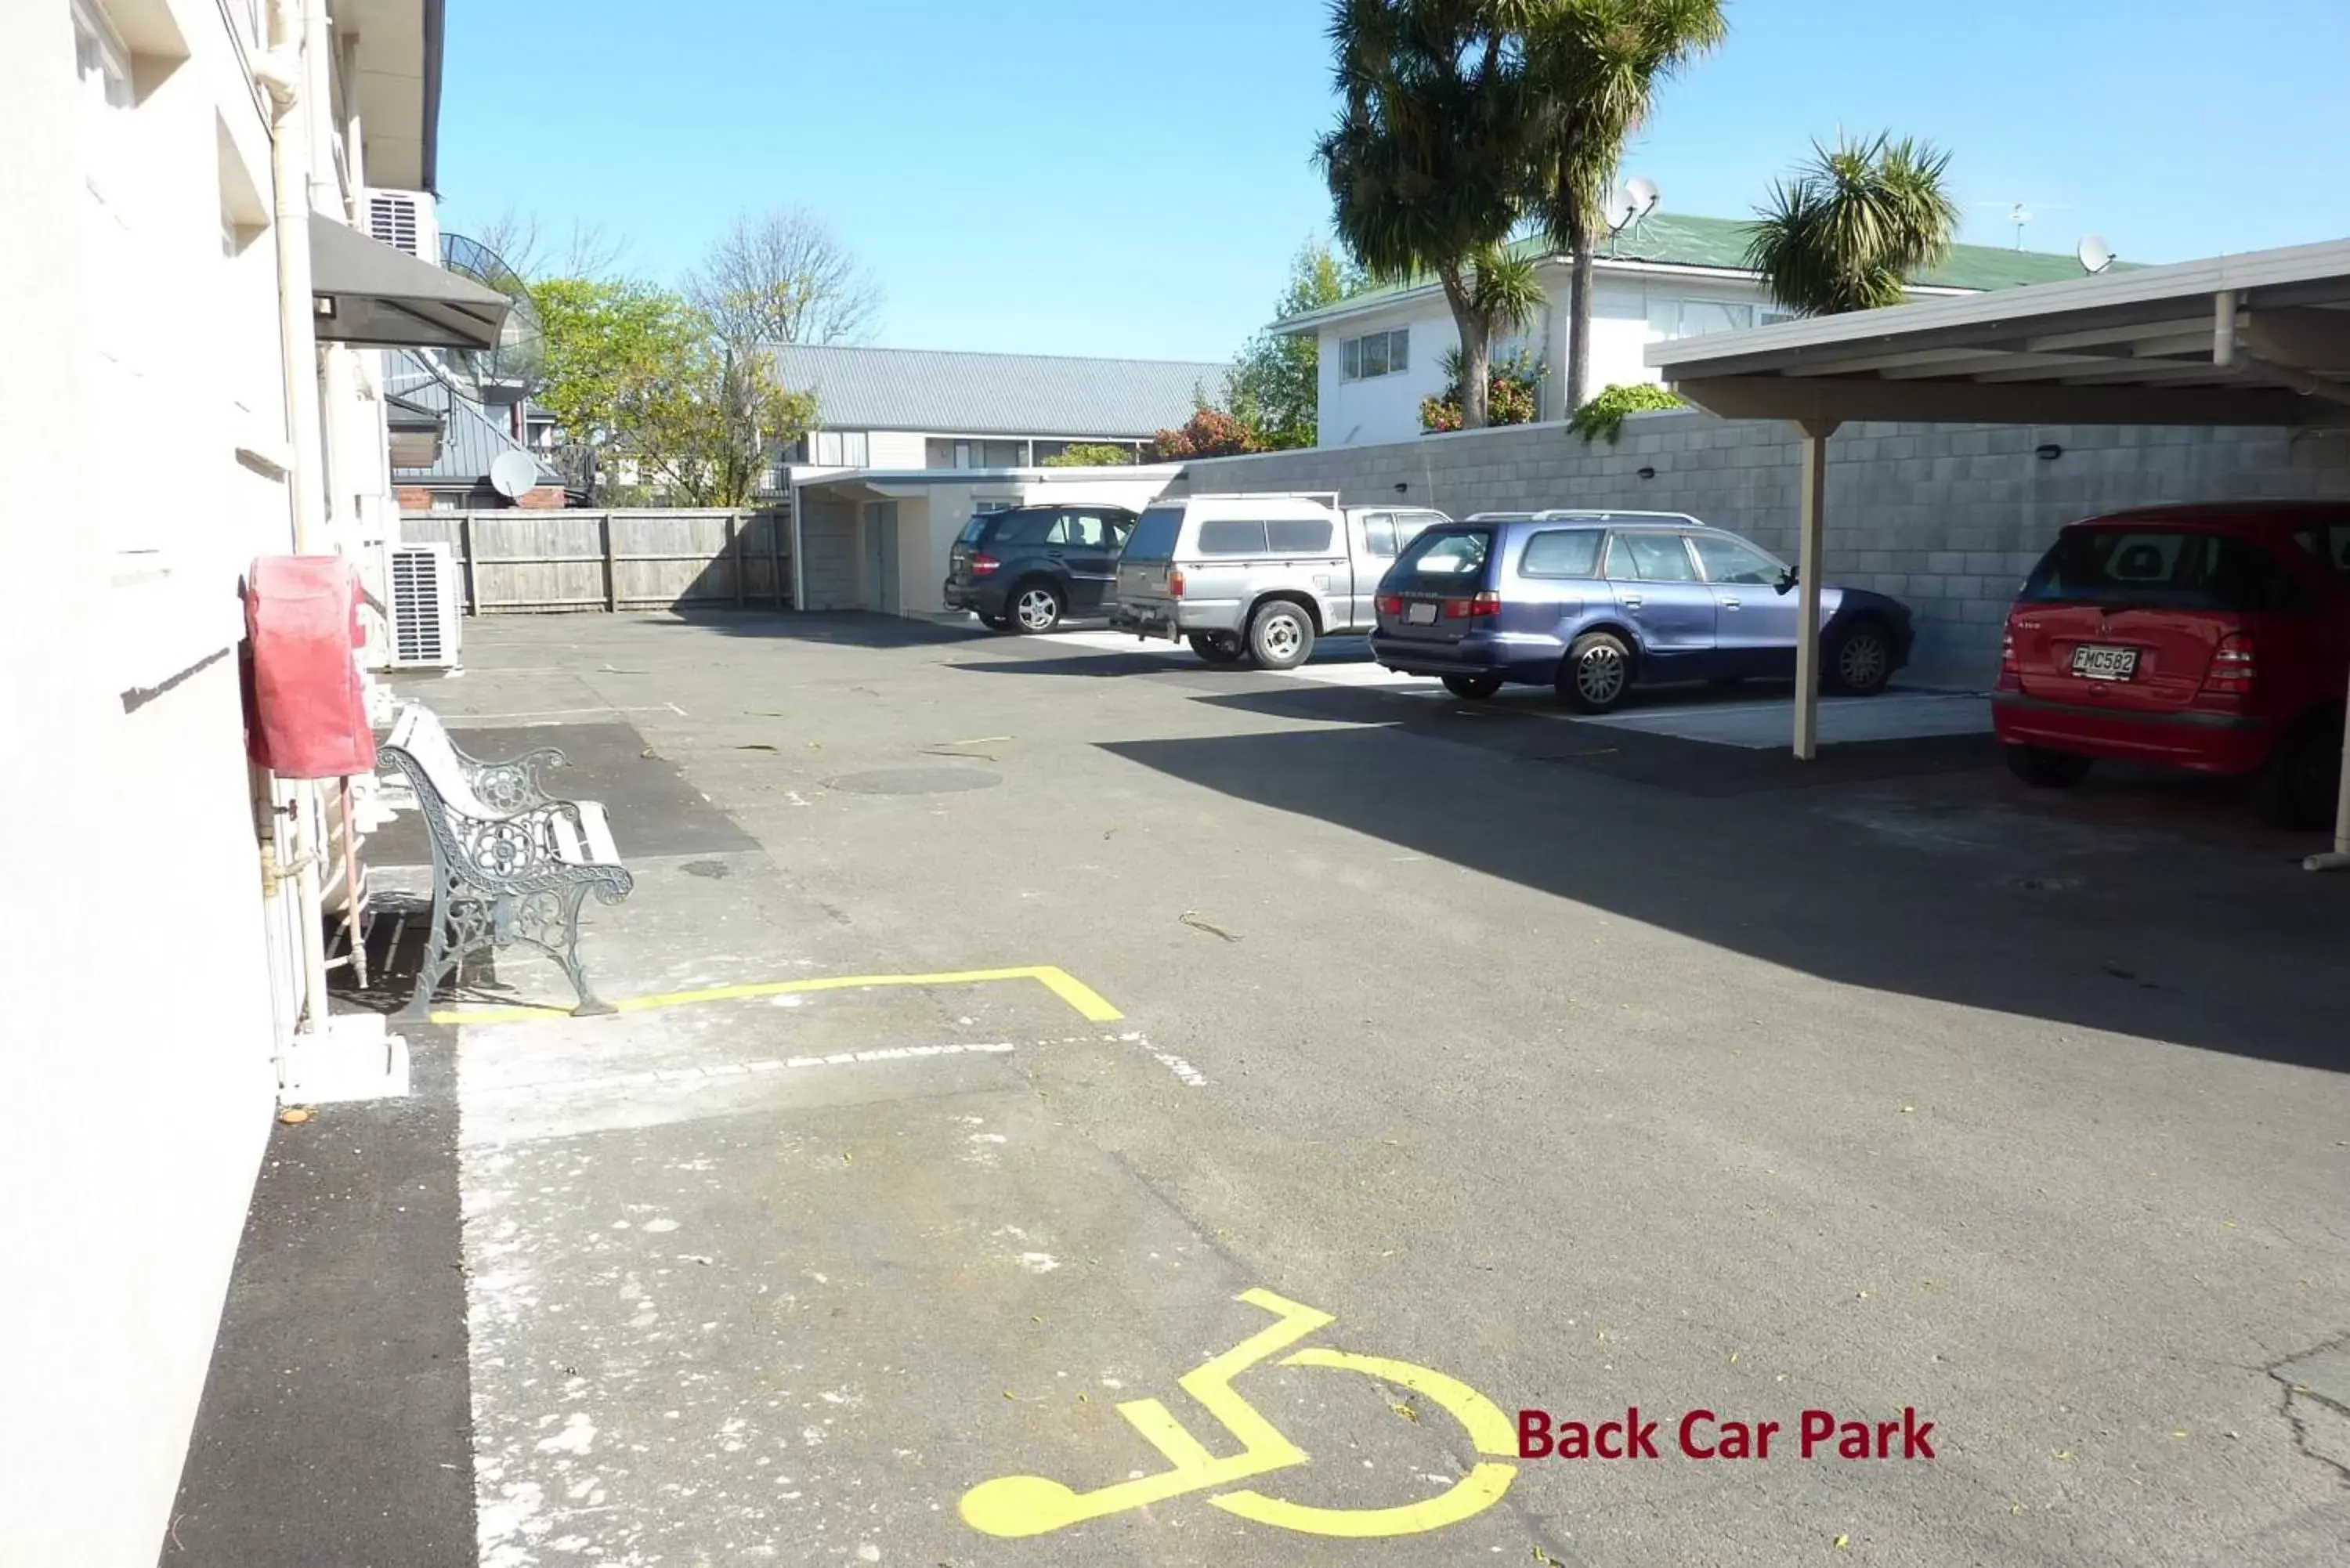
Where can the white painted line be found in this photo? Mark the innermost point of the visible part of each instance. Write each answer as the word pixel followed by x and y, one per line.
pixel 696 1077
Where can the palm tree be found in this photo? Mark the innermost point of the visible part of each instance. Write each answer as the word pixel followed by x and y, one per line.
pixel 1421 164
pixel 1592 71
pixel 1851 226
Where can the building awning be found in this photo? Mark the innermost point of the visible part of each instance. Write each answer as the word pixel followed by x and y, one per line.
pixel 2257 339
pixel 373 296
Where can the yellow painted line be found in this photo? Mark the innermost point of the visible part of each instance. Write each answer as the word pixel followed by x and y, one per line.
pixel 1088 1001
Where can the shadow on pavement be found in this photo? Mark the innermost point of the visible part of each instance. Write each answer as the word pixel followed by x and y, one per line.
pixel 1978 901
pixel 843 628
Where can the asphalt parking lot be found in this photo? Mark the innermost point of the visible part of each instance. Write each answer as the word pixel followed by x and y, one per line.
pixel 1420 1063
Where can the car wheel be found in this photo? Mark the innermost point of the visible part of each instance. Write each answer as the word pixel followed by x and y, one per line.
pixel 996 622
pixel 1215 647
pixel 1861 662
pixel 1597 673
pixel 2298 787
pixel 2043 769
pixel 1037 607
pixel 1476 688
pixel 1280 637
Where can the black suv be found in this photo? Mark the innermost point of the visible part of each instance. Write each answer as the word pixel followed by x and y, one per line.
pixel 1026 568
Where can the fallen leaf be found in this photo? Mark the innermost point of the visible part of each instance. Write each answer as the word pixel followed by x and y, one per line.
pixel 293 1116
pixel 1842 1542
pixel 754 746
pixel 1192 919
pixel 2063 1453
pixel 846 1157
pixel 1407 1412
pixel 1906 1110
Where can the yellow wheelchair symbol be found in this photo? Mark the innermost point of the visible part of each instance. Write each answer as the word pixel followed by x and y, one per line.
pixel 1032 1505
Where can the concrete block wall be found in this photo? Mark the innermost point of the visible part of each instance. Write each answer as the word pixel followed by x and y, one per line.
pixel 1949 518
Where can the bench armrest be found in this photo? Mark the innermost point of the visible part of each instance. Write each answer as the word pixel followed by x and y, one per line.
pixel 512 785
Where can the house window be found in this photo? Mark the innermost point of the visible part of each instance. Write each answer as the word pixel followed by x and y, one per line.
pixel 1669 318
pixel 1376 354
pixel 836 448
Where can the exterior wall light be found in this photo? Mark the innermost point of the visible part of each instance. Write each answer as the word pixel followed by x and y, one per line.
pixel 2050 452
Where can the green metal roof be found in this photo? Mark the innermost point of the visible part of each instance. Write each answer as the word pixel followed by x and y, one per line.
pixel 1674 240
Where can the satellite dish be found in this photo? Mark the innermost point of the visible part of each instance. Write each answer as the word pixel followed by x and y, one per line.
pixel 2094 254
pixel 511 371
pixel 514 474
pixel 1644 193
pixel 1621 211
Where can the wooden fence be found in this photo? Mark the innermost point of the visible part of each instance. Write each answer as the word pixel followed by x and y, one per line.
pixel 524 561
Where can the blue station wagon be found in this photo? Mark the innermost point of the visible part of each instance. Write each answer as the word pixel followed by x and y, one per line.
pixel 1595 603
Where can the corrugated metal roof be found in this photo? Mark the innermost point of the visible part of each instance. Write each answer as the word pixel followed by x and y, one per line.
pixel 996 394
pixel 471 439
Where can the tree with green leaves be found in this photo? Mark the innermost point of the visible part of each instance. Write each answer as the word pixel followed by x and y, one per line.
pixel 1276 385
pixel 1424 164
pixel 1851 226
pixel 635 373
pixel 1591 68
pixel 1089 454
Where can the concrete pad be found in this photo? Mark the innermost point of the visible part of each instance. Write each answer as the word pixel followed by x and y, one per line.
pixel 1762 725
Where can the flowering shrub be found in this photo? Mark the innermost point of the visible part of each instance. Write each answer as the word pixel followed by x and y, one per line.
pixel 1510 389
pixel 1209 432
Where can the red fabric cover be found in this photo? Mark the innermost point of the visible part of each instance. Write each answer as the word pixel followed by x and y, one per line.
pixel 305 710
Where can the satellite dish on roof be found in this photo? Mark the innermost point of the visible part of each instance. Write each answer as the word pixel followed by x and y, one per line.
pixel 511 371
pixel 514 474
pixel 2094 254
pixel 1644 193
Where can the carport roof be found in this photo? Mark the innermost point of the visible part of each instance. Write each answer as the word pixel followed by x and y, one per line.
pixel 2261 339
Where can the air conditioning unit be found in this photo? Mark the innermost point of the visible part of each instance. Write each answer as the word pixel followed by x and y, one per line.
pixel 405 221
pixel 427 611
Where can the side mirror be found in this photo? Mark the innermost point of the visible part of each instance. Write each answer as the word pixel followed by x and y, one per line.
pixel 1787 582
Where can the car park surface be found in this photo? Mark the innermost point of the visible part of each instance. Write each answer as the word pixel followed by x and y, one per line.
pixel 1585 1067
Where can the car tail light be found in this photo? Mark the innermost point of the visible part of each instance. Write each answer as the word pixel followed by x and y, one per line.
pixel 981 565
pixel 1390 603
pixel 1488 603
pixel 2011 673
pixel 2233 671
pixel 1175 584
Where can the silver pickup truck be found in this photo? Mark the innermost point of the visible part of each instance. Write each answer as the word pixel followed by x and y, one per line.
pixel 1258 577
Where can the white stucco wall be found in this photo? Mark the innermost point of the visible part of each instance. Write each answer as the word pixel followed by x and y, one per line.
pixel 894 448
pixel 1387 408
pixel 138 304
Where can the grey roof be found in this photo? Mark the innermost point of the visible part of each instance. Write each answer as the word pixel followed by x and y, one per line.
pixel 469 441
pixel 996 394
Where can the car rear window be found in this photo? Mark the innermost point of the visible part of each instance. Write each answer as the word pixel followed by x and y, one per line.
pixel 1232 538
pixel 2167 568
pixel 2330 542
pixel 1446 552
pixel 1562 552
pixel 976 529
pixel 1154 535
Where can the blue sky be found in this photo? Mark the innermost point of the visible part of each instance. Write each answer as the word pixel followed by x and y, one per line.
pixel 1107 177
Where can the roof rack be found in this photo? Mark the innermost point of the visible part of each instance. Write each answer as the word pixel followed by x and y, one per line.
pixel 1328 498
pixel 1587 515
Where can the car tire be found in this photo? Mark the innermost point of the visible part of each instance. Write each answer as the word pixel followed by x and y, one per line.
pixel 996 622
pixel 2297 787
pixel 1595 676
pixel 1281 634
pixel 1216 647
pixel 1860 659
pixel 1476 688
pixel 2043 769
pixel 1036 607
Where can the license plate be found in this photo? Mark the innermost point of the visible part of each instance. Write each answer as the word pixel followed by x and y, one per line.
pixel 2095 663
pixel 1420 615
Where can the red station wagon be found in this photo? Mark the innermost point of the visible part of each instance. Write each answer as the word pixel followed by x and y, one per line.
pixel 2215 637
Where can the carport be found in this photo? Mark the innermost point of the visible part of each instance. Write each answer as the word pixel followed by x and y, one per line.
pixel 2260 339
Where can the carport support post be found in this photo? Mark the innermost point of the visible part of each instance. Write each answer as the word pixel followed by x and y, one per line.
pixel 2339 860
pixel 1811 499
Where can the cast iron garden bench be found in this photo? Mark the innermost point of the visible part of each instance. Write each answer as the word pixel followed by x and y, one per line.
pixel 511 864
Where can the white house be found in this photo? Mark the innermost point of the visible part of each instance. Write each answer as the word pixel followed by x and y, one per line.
pixel 1667 276
pixel 192 321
